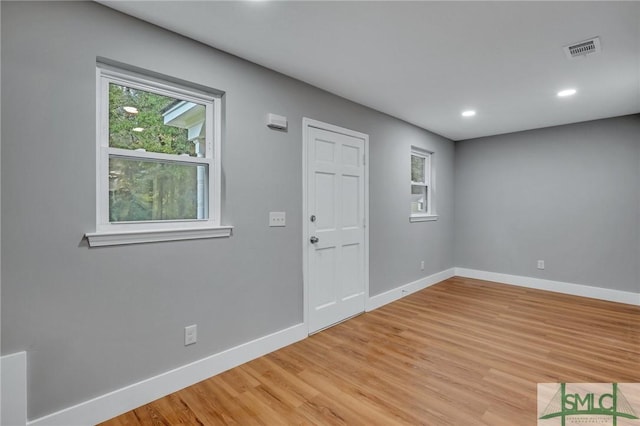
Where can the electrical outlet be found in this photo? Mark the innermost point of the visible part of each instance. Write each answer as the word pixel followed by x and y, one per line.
pixel 422 265
pixel 277 219
pixel 190 334
pixel 540 264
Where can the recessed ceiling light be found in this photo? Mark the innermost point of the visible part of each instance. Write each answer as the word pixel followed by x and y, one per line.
pixel 138 129
pixel 567 92
pixel 468 113
pixel 130 109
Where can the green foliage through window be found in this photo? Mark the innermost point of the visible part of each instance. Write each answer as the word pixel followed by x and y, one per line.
pixel 144 129
pixel 417 168
pixel 143 189
pixel 152 190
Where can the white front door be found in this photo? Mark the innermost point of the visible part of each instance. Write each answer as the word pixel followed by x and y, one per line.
pixel 336 250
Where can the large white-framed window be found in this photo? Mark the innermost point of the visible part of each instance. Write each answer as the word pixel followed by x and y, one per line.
pixel 422 186
pixel 158 164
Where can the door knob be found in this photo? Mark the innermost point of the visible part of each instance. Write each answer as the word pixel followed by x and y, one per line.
pixel 314 239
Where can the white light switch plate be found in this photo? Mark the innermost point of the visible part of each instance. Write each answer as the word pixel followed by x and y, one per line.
pixel 277 219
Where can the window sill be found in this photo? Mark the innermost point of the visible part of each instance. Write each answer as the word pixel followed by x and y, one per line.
pixel 423 218
pixel 100 239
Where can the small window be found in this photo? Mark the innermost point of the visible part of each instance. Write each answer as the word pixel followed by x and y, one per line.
pixel 422 187
pixel 158 160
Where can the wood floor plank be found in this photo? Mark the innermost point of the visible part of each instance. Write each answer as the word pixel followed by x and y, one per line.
pixel 462 352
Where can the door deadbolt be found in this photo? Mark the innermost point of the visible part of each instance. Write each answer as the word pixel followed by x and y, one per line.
pixel 312 218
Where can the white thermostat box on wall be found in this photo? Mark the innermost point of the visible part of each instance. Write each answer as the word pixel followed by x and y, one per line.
pixel 276 121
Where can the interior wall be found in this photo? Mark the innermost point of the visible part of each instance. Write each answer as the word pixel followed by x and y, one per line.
pixel 93 320
pixel 0 217
pixel 568 195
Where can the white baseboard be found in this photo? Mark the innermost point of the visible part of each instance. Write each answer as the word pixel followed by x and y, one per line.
pixel 13 389
pixel 557 286
pixel 122 400
pixel 389 296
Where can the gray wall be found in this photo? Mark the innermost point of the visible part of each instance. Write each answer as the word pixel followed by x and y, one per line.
pixel 1 227
pixel 568 195
pixel 95 320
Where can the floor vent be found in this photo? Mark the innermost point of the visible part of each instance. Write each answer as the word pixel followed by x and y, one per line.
pixel 583 48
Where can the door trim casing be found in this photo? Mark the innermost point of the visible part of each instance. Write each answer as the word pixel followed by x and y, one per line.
pixel 308 123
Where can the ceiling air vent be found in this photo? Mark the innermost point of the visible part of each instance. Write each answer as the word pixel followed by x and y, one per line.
pixel 583 48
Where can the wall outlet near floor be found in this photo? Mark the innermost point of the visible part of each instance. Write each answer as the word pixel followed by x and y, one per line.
pixel 190 334
pixel 540 264
pixel 422 265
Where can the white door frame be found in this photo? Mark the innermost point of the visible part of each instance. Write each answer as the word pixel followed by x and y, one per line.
pixel 308 123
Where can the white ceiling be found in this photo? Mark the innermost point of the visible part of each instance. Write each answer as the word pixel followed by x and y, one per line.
pixel 426 62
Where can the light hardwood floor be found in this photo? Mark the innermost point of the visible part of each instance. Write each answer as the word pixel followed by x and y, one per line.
pixel 463 352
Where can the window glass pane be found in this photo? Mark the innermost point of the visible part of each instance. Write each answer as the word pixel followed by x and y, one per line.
pixel 417 168
pixel 154 190
pixel 155 123
pixel 418 199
